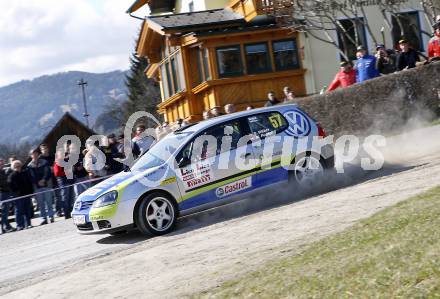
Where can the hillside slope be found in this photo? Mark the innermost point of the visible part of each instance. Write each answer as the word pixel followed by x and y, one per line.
pixel 30 108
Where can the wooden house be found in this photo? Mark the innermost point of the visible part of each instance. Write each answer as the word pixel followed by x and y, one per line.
pixel 215 57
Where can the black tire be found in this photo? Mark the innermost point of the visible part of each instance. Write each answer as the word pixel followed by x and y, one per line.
pixel 156 214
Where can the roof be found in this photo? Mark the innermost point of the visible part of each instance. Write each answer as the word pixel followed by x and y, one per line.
pixel 156 6
pixel 67 125
pixel 247 28
pixel 220 119
pixel 196 19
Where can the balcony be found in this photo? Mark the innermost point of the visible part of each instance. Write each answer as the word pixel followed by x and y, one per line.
pixel 249 9
pixel 253 8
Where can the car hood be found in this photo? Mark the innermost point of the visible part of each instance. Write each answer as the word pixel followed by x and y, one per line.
pixel 112 183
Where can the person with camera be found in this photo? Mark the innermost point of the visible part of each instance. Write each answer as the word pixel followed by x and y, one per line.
pixel 385 60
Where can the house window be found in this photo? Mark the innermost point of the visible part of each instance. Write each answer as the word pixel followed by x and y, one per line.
pixel 407 25
pixel 285 55
pixel 229 61
pixel 355 36
pixel 164 79
pixel 205 59
pixel 171 72
pixel 175 76
pixel 203 65
pixel 257 58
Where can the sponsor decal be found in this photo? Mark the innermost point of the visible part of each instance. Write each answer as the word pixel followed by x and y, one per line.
pixel 168 181
pixel 299 124
pixel 96 218
pixel 197 175
pixel 234 187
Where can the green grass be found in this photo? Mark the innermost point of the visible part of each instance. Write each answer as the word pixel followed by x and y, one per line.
pixel 393 254
pixel 435 122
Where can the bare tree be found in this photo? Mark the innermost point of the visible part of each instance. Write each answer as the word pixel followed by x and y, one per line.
pixel 322 18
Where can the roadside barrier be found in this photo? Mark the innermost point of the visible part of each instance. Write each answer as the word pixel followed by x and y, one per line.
pixel 54 189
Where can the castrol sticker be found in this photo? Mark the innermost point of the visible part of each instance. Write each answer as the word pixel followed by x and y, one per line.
pixel 234 187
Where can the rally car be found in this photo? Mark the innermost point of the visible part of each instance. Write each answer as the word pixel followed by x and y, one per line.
pixel 206 165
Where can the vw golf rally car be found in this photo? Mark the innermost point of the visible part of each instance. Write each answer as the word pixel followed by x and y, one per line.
pixel 206 165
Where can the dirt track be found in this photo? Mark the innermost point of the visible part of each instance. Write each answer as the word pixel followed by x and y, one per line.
pixel 54 262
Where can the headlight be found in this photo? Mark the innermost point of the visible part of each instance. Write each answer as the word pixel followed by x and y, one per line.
pixel 106 199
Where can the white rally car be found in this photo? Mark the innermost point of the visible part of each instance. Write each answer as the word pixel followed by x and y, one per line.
pixel 206 165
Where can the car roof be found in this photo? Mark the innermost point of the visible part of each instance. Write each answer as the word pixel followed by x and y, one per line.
pixel 194 128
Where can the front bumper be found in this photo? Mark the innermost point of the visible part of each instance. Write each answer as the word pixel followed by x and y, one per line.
pixel 100 221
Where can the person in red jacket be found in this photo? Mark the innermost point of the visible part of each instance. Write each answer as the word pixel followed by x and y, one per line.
pixel 345 78
pixel 434 43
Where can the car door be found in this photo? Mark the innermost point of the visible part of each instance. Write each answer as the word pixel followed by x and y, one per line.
pixel 268 135
pixel 208 171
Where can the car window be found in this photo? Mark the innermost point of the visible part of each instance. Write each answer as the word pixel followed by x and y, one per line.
pixel 267 124
pixel 211 142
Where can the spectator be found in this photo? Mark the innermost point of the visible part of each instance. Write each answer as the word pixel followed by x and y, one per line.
pixel 250 107
pixel 385 60
pixel 111 154
pixel 21 185
pixel 45 155
pixel 64 182
pixel 272 100
pixel 230 108
pixel 159 132
pixel 408 57
pixel 216 111
pixel 289 95
pixel 434 43
pixel 5 194
pixel 179 123
pixel 50 159
pixel 345 77
pixel 206 115
pixel 41 178
pixel 92 161
pixel 79 173
pixel 142 141
pixel 365 66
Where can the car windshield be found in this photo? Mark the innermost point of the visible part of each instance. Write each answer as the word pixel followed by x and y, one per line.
pixel 160 152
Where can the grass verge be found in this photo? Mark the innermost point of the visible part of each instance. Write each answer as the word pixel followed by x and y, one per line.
pixel 435 122
pixel 393 254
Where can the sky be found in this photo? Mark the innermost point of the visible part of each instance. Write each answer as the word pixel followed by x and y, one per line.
pixel 39 37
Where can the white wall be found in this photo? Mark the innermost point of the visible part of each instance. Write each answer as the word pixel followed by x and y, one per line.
pixel 324 59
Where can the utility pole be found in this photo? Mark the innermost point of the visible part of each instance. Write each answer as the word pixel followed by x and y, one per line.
pixel 83 83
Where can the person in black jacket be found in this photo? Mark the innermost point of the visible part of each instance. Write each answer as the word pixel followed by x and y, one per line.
pixel 5 194
pixel 41 177
pixel 408 58
pixel 21 185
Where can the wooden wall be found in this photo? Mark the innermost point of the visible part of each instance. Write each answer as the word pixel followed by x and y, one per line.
pixel 242 91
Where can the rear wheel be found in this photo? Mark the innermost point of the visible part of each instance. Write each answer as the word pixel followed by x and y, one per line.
pixel 156 215
pixel 307 170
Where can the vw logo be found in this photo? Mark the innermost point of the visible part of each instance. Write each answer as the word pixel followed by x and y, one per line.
pixel 220 192
pixel 299 125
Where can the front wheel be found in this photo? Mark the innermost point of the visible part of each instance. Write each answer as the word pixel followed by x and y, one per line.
pixel 156 215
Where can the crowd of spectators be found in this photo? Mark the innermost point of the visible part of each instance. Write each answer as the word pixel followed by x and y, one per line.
pixel 385 61
pixel 41 184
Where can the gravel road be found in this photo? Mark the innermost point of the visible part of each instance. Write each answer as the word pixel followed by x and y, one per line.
pixel 53 261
